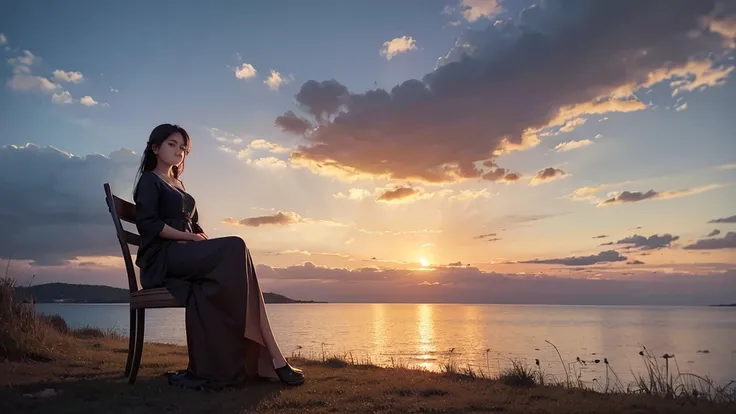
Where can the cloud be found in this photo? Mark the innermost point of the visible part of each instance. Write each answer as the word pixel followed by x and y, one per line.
pixel 635 196
pixel 308 253
pixel 279 219
pixel 731 219
pixel 266 145
pixel 224 136
pixel 607 256
pixel 69 77
pixel 571 145
pixel 25 82
pixel 88 101
pixel 715 232
pixel 726 242
pixel 649 243
pixel 602 236
pixel 62 98
pixel 398 193
pixel 268 162
pixel 398 232
pixel 635 262
pixel 290 122
pixel 468 284
pixel 473 10
pixel 681 107
pixel 231 144
pixel 470 195
pixel 245 71
pixel 483 236
pixel 353 194
pixel 55 210
pixel 726 27
pixel 3 39
pixel 440 128
pixel 410 194
pixel 397 46
pixel 22 79
pixel 546 175
pixel 275 80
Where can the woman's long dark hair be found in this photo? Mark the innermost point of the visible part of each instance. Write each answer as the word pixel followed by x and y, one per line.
pixel 157 137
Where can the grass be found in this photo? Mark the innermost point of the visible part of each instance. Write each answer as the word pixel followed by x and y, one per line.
pixel 48 367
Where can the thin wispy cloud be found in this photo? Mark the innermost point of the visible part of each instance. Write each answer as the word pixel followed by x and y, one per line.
pixel 636 196
pixel 608 256
pixel 571 145
pixel 730 219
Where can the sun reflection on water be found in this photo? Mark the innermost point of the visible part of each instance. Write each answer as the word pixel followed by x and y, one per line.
pixel 425 332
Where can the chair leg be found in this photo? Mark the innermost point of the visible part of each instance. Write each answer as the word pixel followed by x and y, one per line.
pixel 139 334
pixel 131 342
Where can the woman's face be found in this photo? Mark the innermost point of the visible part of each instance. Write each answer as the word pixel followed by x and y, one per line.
pixel 172 151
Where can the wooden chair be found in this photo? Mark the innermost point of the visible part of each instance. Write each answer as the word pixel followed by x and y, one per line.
pixel 140 299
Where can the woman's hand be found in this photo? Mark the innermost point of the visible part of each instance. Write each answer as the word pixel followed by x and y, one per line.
pixel 196 237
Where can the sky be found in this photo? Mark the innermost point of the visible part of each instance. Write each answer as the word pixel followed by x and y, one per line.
pixel 556 151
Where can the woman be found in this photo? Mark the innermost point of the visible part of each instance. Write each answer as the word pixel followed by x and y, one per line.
pixel 229 337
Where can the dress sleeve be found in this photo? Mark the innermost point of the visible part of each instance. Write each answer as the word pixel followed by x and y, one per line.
pixel 146 199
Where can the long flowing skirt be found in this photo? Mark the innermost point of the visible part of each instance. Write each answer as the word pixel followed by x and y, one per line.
pixel 225 310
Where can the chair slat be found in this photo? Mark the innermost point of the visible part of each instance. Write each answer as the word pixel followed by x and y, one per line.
pixel 152 291
pixel 131 238
pixel 153 298
pixel 125 210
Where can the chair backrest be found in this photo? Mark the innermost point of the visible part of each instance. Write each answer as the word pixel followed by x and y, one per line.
pixel 125 211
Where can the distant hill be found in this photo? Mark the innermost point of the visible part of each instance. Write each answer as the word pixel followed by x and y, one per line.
pixel 71 293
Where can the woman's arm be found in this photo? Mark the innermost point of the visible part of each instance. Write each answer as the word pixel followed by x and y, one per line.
pixel 146 212
pixel 195 224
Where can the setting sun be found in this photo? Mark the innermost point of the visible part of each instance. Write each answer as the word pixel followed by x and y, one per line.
pixel 424 262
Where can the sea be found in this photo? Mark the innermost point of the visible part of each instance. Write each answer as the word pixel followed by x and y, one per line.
pixel 563 342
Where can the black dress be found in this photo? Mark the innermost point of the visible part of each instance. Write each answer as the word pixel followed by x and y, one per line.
pixel 214 279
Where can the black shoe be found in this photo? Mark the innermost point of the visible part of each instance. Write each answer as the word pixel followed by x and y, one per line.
pixel 289 376
pixel 295 369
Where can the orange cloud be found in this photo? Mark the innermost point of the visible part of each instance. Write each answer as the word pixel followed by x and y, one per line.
pixel 280 219
pixel 501 89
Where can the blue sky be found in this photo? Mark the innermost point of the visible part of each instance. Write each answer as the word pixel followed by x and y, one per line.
pixel 145 64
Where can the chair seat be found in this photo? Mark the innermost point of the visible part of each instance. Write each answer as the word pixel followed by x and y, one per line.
pixel 153 298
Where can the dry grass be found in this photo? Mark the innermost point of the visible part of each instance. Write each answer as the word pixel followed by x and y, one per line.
pixel 83 368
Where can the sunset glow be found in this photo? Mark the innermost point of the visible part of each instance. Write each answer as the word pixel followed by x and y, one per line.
pixel 509 153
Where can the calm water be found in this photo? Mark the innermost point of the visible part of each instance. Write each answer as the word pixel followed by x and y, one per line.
pixel 422 335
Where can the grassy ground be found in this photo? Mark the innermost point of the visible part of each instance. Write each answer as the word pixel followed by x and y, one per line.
pixel 47 368
pixel 88 378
